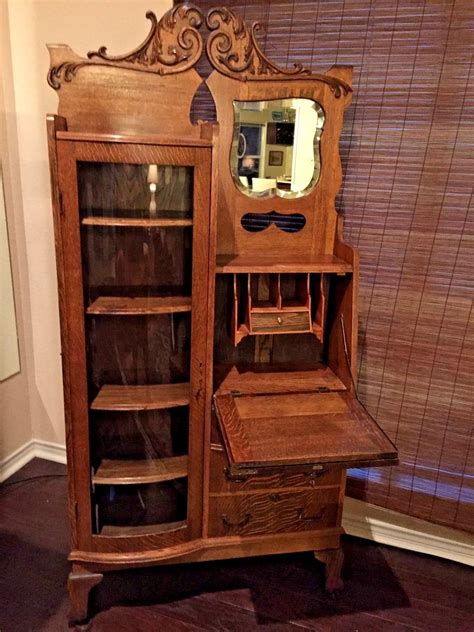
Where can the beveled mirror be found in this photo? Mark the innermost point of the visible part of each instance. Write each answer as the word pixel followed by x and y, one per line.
pixel 275 147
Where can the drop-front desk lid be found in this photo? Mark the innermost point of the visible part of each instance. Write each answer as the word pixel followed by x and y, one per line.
pixel 325 425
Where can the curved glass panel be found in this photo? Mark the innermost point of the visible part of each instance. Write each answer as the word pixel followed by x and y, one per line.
pixel 275 147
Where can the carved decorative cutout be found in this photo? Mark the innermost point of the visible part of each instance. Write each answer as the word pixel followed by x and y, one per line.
pixel 233 50
pixel 288 223
pixel 172 46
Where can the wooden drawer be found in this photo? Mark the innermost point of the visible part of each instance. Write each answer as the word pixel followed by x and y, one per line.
pixel 273 512
pixel 282 322
pixel 220 483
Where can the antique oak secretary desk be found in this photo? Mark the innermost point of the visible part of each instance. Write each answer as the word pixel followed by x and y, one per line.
pixel 208 304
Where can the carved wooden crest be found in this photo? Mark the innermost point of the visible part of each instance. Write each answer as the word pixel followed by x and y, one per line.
pixel 174 45
pixel 233 50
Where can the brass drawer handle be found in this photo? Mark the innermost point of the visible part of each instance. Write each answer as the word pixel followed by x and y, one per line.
pixel 279 320
pixel 275 497
pixel 241 523
pixel 318 516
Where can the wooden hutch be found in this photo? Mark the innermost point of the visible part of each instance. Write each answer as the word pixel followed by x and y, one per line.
pixel 208 304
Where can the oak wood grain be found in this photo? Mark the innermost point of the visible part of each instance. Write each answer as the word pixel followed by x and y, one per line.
pixel 221 482
pixel 149 529
pixel 135 222
pixel 126 472
pixel 295 429
pixel 273 511
pixel 149 397
pixel 282 322
pixel 285 378
pixel 138 305
pixel 236 263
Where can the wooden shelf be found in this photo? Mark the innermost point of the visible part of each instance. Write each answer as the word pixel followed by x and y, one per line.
pixel 128 472
pixel 149 397
pixel 138 305
pixel 266 263
pixel 156 222
pixel 149 529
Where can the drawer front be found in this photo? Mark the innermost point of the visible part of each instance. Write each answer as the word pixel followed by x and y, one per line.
pixel 280 321
pixel 273 512
pixel 220 483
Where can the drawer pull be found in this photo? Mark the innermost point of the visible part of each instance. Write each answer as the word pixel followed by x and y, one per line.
pixel 241 523
pixel 314 475
pixel 241 477
pixel 275 497
pixel 279 320
pixel 318 516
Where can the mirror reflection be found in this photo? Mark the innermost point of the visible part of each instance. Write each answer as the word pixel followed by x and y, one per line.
pixel 275 149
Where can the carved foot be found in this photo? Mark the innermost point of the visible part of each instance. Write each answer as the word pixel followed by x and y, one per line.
pixel 80 583
pixel 333 559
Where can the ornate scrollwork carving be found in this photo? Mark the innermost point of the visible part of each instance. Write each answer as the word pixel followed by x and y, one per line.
pixel 233 50
pixel 232 47
pixel 173 45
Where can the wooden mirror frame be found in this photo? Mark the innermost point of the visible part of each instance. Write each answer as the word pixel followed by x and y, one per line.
pixel 243 73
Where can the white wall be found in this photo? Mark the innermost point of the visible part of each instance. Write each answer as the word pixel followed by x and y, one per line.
pixel 15 417
pixel 84 25
pixel 9 352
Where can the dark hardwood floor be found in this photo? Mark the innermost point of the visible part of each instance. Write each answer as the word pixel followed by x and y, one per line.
pixel 386 588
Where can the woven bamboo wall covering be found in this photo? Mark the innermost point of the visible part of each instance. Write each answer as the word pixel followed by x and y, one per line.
pixel 408 163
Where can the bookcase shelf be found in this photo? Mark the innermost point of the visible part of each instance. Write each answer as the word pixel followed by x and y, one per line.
pixel 158 222
pixel 149 397
pixel 139 305
pixel 139 472
pixel 270 263
pixel 149 529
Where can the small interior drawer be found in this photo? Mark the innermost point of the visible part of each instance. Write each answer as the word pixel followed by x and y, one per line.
pixel 282 321
pixel 279 303
pixel 273 512
pixel 221 482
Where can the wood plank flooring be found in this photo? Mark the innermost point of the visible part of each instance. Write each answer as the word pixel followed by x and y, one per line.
pixel 386 588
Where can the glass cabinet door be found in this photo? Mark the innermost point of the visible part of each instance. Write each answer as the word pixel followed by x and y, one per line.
pixel 141 280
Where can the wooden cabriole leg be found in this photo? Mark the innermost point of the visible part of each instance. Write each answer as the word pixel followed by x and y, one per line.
pixel 80 582
pixel 333 559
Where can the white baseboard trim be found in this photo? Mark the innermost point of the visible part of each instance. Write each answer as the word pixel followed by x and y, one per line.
pixel 360 519
pixel 50 451
pixel 405 532
pixel 23 455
